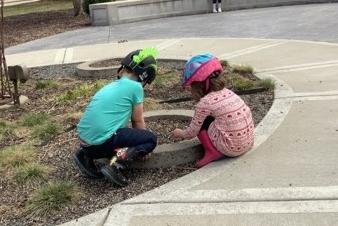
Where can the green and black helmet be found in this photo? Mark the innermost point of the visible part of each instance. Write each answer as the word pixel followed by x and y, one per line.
pixel 143 63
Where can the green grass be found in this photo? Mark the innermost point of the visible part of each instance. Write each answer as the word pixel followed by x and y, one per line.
pixel 165 79
pixel 46 84
pixel 150 104
pixel 242 69
pixel 52 197
pixel 5 129
pixel 42 6
pixel 33 119
pixel 239 82
pixel 31 173
pixel 81 91
pixel 15 156
pixel 266 83
pixel 46 131
pixel 225 63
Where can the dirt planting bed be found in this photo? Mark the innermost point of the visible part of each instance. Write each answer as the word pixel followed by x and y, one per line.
pixel 57 99
pixel 162 128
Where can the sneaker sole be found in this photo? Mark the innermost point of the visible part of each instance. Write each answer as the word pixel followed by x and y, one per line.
pixel 83 169
pixel 112 176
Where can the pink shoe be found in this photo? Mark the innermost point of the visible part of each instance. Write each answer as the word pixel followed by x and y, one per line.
pixel 210 152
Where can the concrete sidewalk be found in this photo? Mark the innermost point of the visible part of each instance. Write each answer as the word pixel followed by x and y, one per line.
pixel 18 2
pixel 290 178
pixel 306 22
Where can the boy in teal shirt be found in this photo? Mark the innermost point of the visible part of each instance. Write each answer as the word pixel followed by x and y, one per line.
pixel 103 131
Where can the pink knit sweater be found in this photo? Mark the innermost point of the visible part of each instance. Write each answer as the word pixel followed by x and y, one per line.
pixel 232 132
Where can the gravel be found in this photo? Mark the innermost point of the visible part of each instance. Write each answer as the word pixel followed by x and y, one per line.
pixel 162 128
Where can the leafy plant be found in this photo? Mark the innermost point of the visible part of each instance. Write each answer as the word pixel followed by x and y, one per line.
pixel 15 156
pixel 52 197
pixel 31 173
pixel 33 119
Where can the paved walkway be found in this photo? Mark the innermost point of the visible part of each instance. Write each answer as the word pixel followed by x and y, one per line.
pixel 317 22
pixel 18 2
pixel 290 178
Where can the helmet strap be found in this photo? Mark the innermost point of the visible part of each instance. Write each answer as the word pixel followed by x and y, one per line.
pixel 207 85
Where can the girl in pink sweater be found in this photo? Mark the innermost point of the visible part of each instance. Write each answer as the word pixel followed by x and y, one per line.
pixel 222 122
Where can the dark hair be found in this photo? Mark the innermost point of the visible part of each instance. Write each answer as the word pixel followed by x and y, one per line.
pixel 217 82
pixel 124 69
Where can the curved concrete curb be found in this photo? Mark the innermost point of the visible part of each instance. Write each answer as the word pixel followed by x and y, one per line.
pixel 175 190
pixel 85 70
pixel 168 155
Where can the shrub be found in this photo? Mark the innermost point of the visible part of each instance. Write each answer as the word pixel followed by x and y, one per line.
pixel 52 197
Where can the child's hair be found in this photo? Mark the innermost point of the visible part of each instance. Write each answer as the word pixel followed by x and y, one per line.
pixel 124 70
pixel 217 82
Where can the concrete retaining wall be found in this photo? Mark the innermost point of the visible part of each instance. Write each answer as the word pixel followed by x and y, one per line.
pixel 119 12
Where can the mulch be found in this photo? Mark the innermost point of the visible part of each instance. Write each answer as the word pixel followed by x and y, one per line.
pixel 27 27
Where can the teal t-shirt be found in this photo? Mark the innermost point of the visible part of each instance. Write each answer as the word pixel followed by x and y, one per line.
pixel 109 110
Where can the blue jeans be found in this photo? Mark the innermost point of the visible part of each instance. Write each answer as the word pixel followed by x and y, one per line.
pixel 142 140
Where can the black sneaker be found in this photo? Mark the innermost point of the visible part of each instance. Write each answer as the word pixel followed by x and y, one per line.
pixel 86 165
pixel 113 174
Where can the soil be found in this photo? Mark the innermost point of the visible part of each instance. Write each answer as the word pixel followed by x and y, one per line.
pixel 163 128
pixel 57 152
pixel 28 27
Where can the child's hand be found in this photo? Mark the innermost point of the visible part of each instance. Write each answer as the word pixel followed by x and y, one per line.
pixel 177 134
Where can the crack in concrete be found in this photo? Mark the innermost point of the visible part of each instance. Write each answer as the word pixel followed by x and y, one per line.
pixel 104 220
pixel 227 201
pixel 306 96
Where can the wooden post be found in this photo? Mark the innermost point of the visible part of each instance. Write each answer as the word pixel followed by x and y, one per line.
pixel 5 89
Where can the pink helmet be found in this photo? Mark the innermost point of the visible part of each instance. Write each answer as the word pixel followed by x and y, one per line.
pixel 199 68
